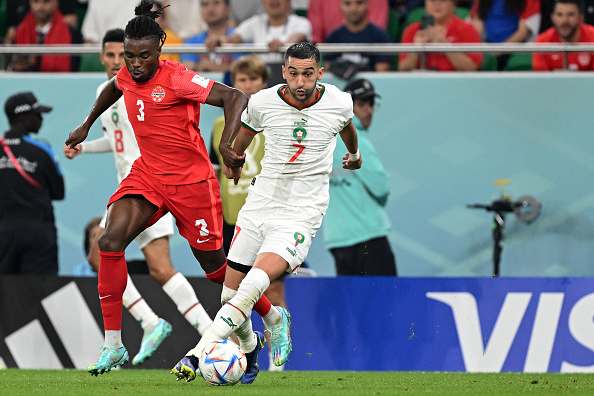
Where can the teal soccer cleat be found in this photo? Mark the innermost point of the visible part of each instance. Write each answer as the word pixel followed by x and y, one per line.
pixel 111 357
pixel 151 342
pixel 186 368
pixel 252 369
pixel 280 338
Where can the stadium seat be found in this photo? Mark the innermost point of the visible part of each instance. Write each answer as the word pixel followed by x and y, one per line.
pixel 519 62
pixel 90 63
pixel 2 18
pixel 489 63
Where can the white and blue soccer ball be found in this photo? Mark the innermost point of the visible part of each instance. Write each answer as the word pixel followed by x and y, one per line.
pixel 222 363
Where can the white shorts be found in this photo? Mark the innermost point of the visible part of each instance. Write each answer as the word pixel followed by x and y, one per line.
pixel 267 226
pixel 162 228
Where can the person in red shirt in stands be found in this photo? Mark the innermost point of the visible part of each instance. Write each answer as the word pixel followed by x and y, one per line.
pixel 326 16
pixel 173 173
pixel 568 27
pixel 45 24
pixel 443 26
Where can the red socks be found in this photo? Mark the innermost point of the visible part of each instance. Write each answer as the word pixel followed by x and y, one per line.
pixel 262 306
pixel 113 277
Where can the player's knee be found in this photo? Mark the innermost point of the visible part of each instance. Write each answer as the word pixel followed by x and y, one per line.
pixel 108 244
pixel 227 294
pixel 161 273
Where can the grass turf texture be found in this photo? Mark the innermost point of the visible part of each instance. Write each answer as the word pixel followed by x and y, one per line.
pixel 152 382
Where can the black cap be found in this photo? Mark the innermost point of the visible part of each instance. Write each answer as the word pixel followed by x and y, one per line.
pixel 24 102
pixel 361 89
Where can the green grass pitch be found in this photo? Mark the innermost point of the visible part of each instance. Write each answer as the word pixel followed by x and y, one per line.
pixel 16 382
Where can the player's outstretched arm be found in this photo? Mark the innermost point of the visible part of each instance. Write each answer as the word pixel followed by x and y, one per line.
pixel 352 159
pixel 233 101
pixel 108 96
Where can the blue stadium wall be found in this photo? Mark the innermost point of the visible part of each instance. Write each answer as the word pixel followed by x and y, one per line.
pixel 444 138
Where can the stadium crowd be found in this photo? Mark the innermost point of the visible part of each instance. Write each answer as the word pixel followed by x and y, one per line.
pixel 282 22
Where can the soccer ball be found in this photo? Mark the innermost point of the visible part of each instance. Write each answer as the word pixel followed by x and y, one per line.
pixel 222 363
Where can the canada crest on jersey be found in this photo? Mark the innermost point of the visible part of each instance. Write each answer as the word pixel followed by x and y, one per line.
pixel 158 94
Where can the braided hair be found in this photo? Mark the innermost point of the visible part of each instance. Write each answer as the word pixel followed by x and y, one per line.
pixel 144 24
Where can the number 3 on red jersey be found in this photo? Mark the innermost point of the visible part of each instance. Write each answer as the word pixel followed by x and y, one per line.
pixel 140 104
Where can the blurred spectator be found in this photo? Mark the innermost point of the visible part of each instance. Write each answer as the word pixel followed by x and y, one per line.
pixel 17 9
pixel 172 38
pixel 506 21
pixel 45 24
pixel 104 15
pixel 568 27
pixel 357 30
pixel 245 9
pixel 216 15
pixel 30 179
pixel 356 224
pixel 184 17
pixel 443 27
pixel 278 26
pixel 327 15
pixel 546 11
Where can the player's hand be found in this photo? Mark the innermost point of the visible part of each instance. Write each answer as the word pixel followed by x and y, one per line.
pixel 72 152
pixel 348 164
pixel 231 158
pixel 78 135
pixel 234 174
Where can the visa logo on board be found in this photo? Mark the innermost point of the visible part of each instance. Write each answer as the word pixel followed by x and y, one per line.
pixel 489 355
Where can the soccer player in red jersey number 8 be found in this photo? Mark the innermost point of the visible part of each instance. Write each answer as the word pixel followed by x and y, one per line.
pixel 173 173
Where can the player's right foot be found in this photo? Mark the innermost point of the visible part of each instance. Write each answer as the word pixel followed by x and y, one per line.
pixel 111 357
pixel 280 338
pixel 252 368
pixel 186 368
pixel 151 341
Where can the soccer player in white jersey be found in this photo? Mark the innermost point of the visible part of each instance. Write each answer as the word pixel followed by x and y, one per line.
pixel 287 200
pixel 154 241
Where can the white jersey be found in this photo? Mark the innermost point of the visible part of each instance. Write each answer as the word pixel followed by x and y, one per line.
pixel 120 135
pixel 299 143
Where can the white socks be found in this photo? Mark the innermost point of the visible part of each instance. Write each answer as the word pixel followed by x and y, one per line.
pixel 271 318
pixel 235 315
pixel 181 292
pixel 113 337
pixel 138 307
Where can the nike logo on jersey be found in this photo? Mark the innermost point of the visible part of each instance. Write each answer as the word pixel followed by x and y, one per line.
pixel 206 240
pixel 102 297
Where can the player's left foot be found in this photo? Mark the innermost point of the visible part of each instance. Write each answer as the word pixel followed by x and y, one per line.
pixel 111 357
pixel 280 338
pixel 252 368
pixel 186 368
pixel 151 341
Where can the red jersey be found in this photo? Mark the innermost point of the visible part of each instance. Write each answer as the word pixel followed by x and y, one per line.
pixel 164 113
pixel 575 60
pixel 457 31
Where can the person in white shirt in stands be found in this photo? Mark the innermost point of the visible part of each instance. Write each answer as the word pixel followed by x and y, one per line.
pixel 277 27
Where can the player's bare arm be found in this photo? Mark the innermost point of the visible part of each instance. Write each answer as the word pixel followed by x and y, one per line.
pixel 243 140
pixel 233 102
pixel 349 137
pixel 110 94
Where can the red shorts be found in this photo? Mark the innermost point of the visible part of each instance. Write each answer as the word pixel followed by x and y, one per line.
pixel 196 207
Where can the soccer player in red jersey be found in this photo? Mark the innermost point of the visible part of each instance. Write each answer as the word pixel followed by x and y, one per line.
pixel 173 173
